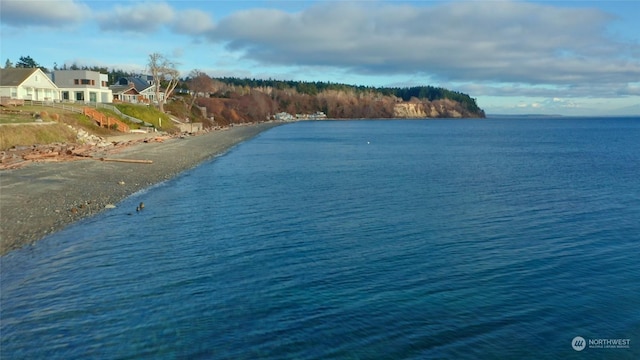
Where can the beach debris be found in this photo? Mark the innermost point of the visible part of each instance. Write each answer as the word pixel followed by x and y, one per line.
pixel 109 206
pixel 86 146
pixel 19 156
pixel 135 161
pixel 41 156
pixel 121 182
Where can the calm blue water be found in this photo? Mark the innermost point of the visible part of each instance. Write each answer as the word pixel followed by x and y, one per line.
pixel 354 240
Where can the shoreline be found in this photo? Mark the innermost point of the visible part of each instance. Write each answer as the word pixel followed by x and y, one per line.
pixel 45 197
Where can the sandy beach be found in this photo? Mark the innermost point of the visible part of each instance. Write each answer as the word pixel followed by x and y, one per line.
pixel 44 197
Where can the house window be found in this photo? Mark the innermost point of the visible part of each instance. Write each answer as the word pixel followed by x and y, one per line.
pixel 85 82
pixel 14 92
pixel 104 84
pixel 79 96
pixel 93 82
pixel 76 81
pixel 65 95
pixel 93 97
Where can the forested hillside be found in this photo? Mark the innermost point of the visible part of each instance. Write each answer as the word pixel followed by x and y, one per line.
pixel 238 100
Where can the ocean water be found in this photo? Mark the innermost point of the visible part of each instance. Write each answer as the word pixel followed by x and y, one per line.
pixel 494 238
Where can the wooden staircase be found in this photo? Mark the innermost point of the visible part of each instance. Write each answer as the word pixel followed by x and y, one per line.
pixel 106 121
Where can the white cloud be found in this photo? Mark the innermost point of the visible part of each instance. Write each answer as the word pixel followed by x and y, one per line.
pixel 193 22
pixel 143 17
pixel 42 13
pixel 497 41
pixel 149 17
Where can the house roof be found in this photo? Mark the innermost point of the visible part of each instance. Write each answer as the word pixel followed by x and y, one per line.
pixel 139 83
pixel 117 89
pixel 15 76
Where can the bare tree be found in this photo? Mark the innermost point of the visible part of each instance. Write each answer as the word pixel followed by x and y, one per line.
pixel 198 83
pixel 163 70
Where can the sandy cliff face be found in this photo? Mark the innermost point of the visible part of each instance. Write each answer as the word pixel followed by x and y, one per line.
pixel 257 106
pixel 426 109
pixel 409 110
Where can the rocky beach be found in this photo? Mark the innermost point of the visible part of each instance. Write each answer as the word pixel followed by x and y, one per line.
pixel 43 197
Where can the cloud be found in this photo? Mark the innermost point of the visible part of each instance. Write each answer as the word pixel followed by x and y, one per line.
pixel 582 90
pixel 144 17
pixel 497 41
pixel 42 13
pixel 193 22
pixel 150 17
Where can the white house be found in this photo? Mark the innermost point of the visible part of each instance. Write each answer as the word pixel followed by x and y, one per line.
pixel 83 86
pixel 27 84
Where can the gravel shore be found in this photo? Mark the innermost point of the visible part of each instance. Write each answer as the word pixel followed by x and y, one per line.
pixel 42 198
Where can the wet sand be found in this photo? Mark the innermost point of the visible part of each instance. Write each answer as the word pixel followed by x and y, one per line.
pixel 44 197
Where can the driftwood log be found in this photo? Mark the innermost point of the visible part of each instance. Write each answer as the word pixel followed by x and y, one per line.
pixel 135 161
pixel 40 156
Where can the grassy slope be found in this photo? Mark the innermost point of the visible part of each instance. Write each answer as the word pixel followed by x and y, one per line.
pixel 147 113
pixel 25 135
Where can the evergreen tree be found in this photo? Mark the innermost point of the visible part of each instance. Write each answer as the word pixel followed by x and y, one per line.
pixel 29 63
pixel 8 64
pixel 26 62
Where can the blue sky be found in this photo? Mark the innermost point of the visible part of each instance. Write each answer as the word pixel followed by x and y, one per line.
pixel 514 57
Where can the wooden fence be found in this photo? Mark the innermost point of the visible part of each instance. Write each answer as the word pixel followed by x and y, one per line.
pixel 102 119
pixel 7 101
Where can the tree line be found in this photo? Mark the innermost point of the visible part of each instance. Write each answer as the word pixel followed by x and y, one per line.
pixel 430 93
pixel 198 83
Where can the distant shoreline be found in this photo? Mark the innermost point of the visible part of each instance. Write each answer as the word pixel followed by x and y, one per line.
pixel 43 198
pixel 555 116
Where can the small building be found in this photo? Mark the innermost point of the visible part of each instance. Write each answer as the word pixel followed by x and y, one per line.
pixel 190 127
pixel 135 89
pixel 82 86
pixel 318 115
pixel 126 93
pixel 283 116
pixel 27 84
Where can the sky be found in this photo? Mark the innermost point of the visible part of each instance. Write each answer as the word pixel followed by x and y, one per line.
pixel 514 57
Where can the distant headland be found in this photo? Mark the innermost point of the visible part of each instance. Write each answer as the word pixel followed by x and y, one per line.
pixel 238 100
